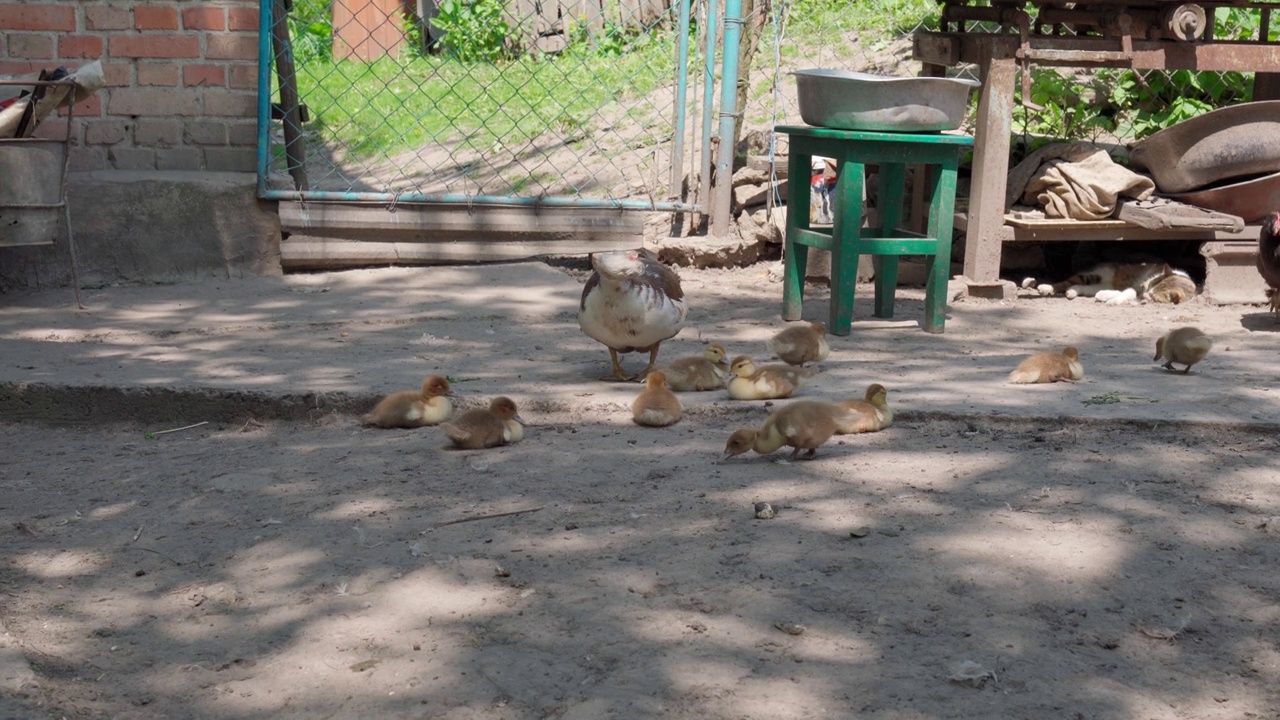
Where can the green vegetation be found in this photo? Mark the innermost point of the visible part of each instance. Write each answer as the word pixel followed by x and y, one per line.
pixel 392 105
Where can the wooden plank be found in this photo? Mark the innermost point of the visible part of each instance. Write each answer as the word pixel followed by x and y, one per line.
pixel 305 252
pixel 423 221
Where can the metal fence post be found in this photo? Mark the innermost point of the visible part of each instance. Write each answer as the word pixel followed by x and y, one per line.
pixel 722 203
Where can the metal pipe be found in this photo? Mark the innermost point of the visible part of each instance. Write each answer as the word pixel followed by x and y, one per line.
pixel 682 105
pixel 704 170
pixel 377 198
pixel 722 203
pixel 264 95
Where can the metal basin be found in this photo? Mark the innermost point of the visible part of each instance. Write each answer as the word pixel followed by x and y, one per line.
pixel 30 174
pixel 848 100
pixel 1230 142
pixel 1251 199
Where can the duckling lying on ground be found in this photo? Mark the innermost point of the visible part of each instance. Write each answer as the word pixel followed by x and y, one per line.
pixel 656 405
pixel 802 425
pixel 869 415
pixel 414 408
pixel 1185 345
pixel 499 424
pixel 763 382
pixel 1047 367
pixel 707 371
pixel 800 344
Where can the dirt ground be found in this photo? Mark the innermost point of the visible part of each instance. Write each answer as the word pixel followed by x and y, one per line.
pixel 1067 551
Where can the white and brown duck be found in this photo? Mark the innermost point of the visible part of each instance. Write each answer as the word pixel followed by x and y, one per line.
pixel 631 303
pixel 414 408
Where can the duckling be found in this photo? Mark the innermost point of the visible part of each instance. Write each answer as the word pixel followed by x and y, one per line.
pixel 869 415
pixel 656 405
pixel 1186 345
pixel 499 424
pixel 749 381
pixel 1047 367
pixel 414 408
pixel 631 303
pixel 802 425
pixel 700 372
pixel 800 344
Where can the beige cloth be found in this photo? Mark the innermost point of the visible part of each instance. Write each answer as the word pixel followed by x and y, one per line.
pixel 1076 180
pixel 88 80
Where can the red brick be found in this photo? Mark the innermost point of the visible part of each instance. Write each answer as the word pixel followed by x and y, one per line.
pixel 155 46
pixel 38 17
pixel 80 46
pixel 162 74
pixel 89 107
pixel 153 103
pixel 51 130
pixel 37 47
pixel 155 17
pixel 206 75
pixel 228 104
pixel 204 18
pixel 118 74
pixel 19 68
pixel 231 47
pixel 243 18
pixel 107 18
pixel 244 77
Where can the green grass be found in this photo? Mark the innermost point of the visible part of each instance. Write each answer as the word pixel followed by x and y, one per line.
pixel 390 105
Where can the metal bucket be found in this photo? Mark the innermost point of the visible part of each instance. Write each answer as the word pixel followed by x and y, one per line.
pixel 31 202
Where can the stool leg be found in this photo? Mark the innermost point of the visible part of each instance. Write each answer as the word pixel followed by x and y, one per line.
pixel 893 183
pixel 846 229
pixel 795 256
pixel 938 265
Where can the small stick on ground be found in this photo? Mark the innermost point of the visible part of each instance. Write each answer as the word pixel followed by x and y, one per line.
pixel 486 517
pixel 174 430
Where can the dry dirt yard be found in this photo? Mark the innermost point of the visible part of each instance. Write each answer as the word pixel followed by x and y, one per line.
pixel 964 566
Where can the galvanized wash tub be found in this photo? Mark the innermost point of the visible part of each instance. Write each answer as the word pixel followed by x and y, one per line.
pixel 31 191
pixel 849 100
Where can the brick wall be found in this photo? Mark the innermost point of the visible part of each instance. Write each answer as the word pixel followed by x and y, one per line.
pixel 181 78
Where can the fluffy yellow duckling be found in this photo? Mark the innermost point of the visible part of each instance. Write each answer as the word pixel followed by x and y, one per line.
pixel 656 405
pixel 800 344
pixel 1047 367
pixel 868 415
pixel 802 425
pixel 749 381
pixel 414 408
pixel 1185 345
pixel 631 303
pixel 499 424
pixel 707 371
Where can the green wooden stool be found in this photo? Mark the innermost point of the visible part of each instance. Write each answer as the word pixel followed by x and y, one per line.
pixel 853 150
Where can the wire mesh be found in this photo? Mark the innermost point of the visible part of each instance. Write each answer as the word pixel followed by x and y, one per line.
pixel 489 98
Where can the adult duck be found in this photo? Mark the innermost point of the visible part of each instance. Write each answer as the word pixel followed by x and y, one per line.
pixel 631 303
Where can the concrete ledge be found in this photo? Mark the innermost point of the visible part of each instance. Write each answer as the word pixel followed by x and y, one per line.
pixel 154 227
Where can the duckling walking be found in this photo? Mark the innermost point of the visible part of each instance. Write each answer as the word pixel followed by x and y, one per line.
pixel 414 408
pixel 869 415
pixel 656 405
pixel 631 303
pixel 763 382
pixel 1185 345
pixel 707 371
pixel 1047 367
pixel 499 424
pixel 802 425
pixel 800 344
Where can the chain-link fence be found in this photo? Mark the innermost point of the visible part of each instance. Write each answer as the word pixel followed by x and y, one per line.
pixel 489 98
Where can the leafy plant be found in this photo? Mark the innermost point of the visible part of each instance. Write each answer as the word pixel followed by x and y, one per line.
pixel 311 30
pixel 475 30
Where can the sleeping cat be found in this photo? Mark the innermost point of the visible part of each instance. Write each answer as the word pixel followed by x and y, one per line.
pixel 1120 282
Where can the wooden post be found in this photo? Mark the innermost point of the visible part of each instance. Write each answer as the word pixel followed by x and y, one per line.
pixel 990 166
pixel 295 148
